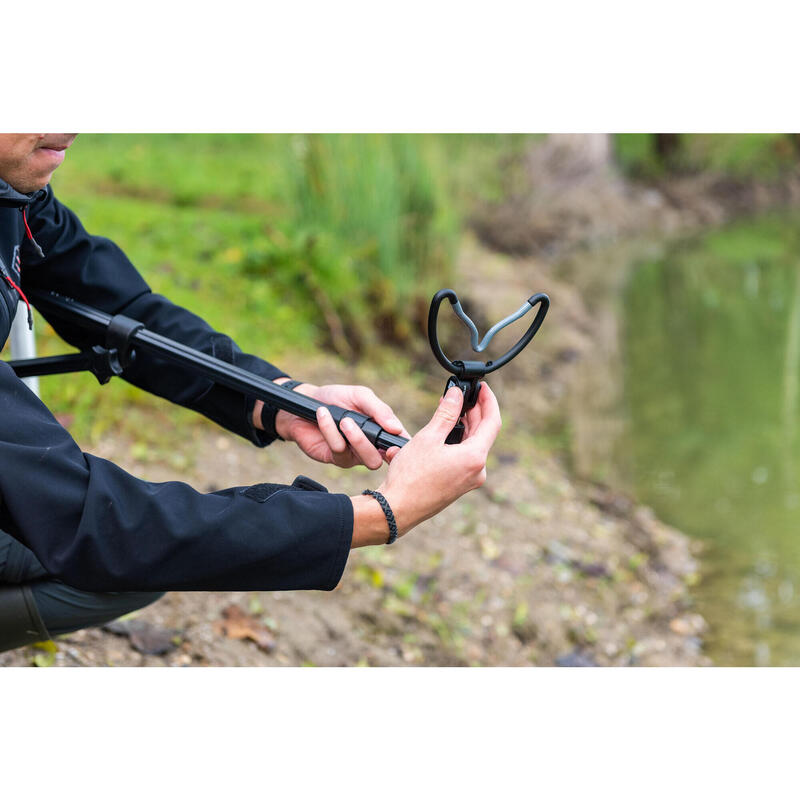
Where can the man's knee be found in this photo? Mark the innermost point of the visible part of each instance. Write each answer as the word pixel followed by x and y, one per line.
pixel 38 611
pixel 34 607
pixel 65 609
pixel 20 620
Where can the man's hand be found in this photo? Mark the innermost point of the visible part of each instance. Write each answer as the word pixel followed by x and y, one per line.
pixel 427 475
pixel 322 440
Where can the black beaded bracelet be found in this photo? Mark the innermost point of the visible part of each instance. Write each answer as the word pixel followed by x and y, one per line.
pixel 387 511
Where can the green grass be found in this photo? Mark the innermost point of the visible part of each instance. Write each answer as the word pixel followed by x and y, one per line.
pixel 302 234
pixel 753 155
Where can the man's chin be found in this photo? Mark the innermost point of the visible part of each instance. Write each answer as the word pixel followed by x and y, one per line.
pixel 29 185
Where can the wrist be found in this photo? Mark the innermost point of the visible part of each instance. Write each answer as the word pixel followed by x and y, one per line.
pixel 370 525
pixel 258 408
pixel 282 424
pixel 369 522
pixel 402 518
pixel 283 419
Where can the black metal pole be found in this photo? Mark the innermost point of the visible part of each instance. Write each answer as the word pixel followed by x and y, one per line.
pixel 202 363
pixel 51 365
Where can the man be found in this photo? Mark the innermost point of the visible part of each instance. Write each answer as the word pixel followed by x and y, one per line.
pixel 82 541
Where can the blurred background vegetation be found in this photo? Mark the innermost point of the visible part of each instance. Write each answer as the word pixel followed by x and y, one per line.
pixel 288 243
pixel 299 242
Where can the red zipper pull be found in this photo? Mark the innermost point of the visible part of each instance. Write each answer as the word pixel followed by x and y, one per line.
pixel 30 235
pixel 24 300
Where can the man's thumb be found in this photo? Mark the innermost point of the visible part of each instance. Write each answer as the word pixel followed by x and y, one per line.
pixel 446 416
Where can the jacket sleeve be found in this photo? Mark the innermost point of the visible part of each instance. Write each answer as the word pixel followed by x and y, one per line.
pixel 98 528
pixel 93 270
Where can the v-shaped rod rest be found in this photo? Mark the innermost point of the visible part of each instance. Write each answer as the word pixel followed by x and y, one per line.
pixel 460 367
pixel 467 374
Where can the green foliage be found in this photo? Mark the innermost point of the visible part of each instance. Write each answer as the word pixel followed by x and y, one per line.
pixel 377 192
pixel 760 155
pixel 635 154
pixel 752 155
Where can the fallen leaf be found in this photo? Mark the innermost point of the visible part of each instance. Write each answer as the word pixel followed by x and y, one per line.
pixel 44 659
pixel 47 656
pixel 235 624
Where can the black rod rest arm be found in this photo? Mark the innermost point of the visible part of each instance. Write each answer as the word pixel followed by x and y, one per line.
pixel 123 337
pixel 467 375
pixel 103 362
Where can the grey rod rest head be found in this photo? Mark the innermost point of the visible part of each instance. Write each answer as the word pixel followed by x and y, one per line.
pixel 477 346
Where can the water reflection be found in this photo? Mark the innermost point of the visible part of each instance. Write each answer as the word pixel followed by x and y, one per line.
pixel 712 391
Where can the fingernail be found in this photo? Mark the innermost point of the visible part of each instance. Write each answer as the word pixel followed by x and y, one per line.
pixel 395 423
pixel 323 412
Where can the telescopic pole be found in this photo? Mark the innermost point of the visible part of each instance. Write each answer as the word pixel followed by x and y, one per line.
pixel 124 337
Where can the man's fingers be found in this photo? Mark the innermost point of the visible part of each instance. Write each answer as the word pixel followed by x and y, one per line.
pixel 486 422
pixel 362 447
pixel 446 416
pixel 367 402
pixel 472 419
pixel 329 431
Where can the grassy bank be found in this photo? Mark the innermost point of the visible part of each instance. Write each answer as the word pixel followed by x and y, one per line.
pixel 743 156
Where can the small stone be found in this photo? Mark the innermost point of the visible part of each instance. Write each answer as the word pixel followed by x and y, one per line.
pixel 560 552
pixel 593 570
pixel 680 626
pixel 577 658
pixel 145 638
pixel 489 549
pixel 526 631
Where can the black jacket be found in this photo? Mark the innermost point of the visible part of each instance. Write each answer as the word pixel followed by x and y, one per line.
pixel 89 522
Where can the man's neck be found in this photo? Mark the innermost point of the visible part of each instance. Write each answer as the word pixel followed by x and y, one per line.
pixel 9 196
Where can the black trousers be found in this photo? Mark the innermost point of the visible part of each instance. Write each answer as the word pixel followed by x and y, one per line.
pixel 35 606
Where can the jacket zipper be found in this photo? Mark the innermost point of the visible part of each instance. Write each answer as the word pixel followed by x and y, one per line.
pixel 11 281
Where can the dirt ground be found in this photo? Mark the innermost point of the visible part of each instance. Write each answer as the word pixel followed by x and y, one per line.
pixel 530 569
pixel 534 568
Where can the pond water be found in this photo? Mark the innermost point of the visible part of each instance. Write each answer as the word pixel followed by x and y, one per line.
pixel 710 363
